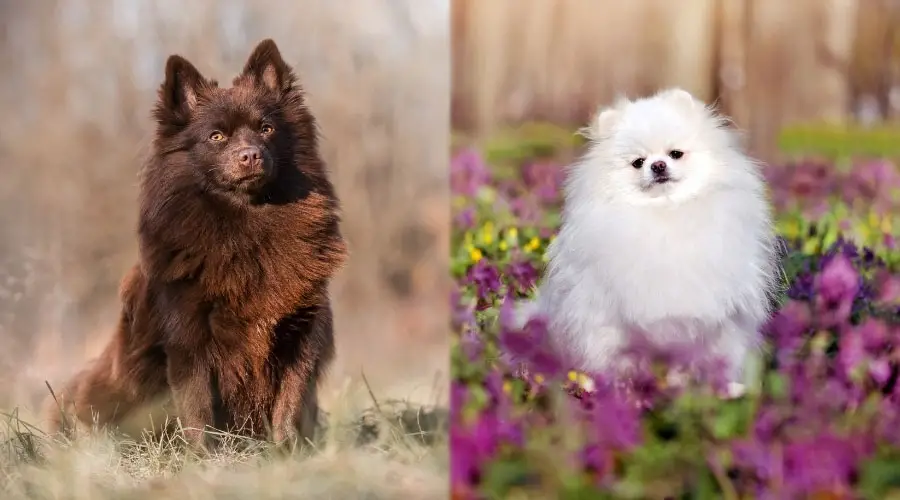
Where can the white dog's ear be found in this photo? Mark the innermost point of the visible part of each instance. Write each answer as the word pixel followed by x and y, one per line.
pixel 604 120
pixel 681 98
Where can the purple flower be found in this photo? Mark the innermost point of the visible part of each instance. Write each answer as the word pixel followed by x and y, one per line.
pixel 544 180
pixel 613 422
pixel 880 370
pixel 525 210
pixel 529 345
pixel 486 278
pixel 823 463
pixel 767 424
pixel 789 324
pixel 545 362
pixel 836 287
pixel 467 459
pixel 756 457
pixel 874 334
pixel 466 218
pixel 888 286
pixel 802 287
pixel 595 459
pixel 463 313
pixel 523 274
pixel 872 183
pixel 471 344
pixel 501 403
pixel 459 396
pixel 852 351
pixel 468 172
pixel 474 446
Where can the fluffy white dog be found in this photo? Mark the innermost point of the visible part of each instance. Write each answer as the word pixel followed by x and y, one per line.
pixel 666 231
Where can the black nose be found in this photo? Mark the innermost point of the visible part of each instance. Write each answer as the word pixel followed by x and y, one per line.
pixel 249 156
pixel 658 167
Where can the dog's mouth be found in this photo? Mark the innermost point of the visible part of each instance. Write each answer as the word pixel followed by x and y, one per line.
pixel 662 180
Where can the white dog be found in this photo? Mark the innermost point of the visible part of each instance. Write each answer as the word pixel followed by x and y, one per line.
pixel 666 230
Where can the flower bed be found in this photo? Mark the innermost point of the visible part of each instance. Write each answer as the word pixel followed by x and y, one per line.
pixel 822 418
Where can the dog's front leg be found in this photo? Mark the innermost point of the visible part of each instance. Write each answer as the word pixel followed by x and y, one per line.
pixel 296 407
pixel 190 382
pixel 295 414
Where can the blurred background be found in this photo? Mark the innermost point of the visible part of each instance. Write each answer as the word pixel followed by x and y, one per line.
pixel 768 63
pixel 79 79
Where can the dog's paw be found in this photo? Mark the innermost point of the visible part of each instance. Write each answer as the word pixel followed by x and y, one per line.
pixel 735 390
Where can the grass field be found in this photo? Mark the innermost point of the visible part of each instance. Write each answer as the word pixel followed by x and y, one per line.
pixel 391 450
pixel 822 418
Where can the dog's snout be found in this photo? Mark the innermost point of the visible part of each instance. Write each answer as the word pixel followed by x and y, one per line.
pixel 658 167
pixel 250 157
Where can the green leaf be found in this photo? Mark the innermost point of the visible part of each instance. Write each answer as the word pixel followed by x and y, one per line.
pixel 880 476
pixel 776 385
pixel 503 475
pixel 730 419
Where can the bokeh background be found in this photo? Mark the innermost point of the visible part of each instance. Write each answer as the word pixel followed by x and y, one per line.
pixel 768 63
pixel 79 79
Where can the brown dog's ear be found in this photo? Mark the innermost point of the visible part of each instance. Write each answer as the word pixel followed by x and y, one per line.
pixel 180 91
pixel 266 67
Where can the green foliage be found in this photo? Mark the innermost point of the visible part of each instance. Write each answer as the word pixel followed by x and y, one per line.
pixel 841 142
pixel 532 140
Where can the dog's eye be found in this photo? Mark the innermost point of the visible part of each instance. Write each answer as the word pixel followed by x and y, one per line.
pixel 267 129
pixel 217 136
pixel 638 163
pixel 676 154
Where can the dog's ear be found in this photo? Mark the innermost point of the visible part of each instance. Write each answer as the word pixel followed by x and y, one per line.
pixel 604 120
pixel 681 98
pixel 180 91
pixel 266 67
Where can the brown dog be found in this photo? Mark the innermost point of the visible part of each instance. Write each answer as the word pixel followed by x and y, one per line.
pixel 228 308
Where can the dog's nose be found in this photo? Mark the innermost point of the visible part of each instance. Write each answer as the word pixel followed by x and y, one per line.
pixel 658 167
pixel 249 157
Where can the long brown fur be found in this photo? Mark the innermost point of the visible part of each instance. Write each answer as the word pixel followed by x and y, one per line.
pixel 227 309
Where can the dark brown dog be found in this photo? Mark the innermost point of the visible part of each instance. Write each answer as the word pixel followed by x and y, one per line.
pixel 228 308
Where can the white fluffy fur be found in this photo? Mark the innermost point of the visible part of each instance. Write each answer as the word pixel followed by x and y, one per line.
pixel 690 260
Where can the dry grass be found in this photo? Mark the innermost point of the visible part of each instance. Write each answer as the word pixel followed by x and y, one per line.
pixel 391 450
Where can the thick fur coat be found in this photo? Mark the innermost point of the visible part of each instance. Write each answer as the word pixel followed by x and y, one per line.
pixel 666 234
pixel 227 309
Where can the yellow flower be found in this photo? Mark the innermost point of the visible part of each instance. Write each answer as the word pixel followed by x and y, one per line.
pixel 507 386
pixel 475 254
pixel 513 233
pixel 791 229
pixel 533 244
pixel 811 246
pixel 503 246
pixel 573 376
pixel 539 378
pixel 487 233
pixel 873 219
